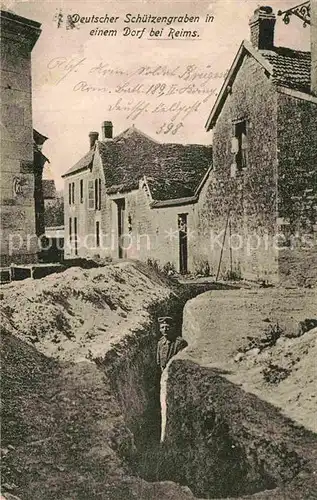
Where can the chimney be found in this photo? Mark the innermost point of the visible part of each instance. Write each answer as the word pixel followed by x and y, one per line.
pixel 262 28
pixel 313 38
pixel 106 130
pixel 93 137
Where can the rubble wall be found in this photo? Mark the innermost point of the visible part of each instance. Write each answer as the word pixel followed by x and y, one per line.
pixel 249 197
pixel 297 144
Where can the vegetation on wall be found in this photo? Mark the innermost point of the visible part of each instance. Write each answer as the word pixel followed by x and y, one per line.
pixel 54 213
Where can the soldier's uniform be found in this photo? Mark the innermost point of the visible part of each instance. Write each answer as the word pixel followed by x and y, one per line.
pixel 168 347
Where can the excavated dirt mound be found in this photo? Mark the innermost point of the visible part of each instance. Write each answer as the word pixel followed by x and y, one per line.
pixel 63 434
pixel 79 314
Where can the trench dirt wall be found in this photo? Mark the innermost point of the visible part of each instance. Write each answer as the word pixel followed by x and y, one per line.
pixel 224 442
pixel 230 426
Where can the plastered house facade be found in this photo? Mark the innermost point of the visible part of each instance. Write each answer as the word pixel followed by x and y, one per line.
pixel 132 197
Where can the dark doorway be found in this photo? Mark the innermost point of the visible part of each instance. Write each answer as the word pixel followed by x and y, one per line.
pixel 97 234
pixel 121 216
pixel 183 243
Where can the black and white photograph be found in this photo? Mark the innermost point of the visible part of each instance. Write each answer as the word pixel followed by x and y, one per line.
pixel 158 248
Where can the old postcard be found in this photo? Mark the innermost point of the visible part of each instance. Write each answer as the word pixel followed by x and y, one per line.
pixel 158 249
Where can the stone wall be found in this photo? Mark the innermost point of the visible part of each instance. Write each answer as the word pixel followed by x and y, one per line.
pixel 297 187
pixel 250 196
pixel 18 238
pixel 297 145
pixel 313 34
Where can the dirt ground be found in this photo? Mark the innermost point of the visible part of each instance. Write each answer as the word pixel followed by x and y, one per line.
pixel 253 335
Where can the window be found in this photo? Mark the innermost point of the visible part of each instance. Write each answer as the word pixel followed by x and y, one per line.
pixel 130 224
pixel 94 194
pixel 97 234
pixel 73 193
pixel 81 190
pixel 97 194
pixel 239 147
pixel 91 197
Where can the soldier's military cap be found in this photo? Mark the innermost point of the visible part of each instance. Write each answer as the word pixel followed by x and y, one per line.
pixel 165 319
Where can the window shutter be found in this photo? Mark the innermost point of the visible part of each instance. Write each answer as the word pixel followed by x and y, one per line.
pixel 70 229
pixel 97 234
pixel 81 191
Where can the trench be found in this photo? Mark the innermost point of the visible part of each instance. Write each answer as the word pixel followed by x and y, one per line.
pixel 219 441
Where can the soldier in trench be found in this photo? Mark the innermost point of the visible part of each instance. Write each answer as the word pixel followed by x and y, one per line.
pixel 169 344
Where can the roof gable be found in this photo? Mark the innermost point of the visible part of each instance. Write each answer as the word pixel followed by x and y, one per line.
pixel 286 67
pixel 171 170
pixel 83 164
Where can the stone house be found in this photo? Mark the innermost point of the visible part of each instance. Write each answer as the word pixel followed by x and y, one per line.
pixel 132 197
pixel 18 211
pixel 263 188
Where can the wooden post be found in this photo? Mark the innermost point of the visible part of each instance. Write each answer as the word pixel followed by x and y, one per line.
pixel 230 249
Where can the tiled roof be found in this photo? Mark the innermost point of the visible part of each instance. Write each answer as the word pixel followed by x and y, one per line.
pixel 84 163
pixel 172 170
pixel 161 187
pixel 49 189
pixel 286 67
pixel 291 68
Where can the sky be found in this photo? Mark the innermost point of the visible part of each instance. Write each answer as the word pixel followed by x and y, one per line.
pixel 163 83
